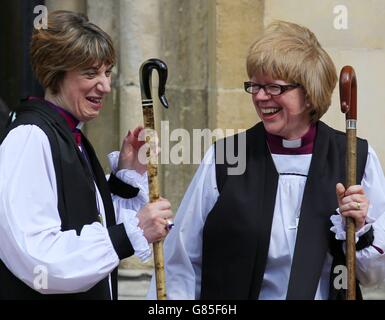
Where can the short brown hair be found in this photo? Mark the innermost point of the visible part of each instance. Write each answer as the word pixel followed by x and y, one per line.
pixel 290 52
pixel 70 42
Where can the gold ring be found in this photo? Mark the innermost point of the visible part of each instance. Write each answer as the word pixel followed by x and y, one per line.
pixel 358 205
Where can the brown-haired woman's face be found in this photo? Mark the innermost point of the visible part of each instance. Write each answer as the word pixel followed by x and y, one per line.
pixel 81 91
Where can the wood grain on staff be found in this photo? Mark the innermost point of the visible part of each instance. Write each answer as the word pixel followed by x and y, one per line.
pixel 152 167
pixel 348 98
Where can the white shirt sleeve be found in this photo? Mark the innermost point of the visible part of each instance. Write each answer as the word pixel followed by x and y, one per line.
pixel 30 227
pixel 183 245
pixel 127 209
pixel 370 261
pixel 132 178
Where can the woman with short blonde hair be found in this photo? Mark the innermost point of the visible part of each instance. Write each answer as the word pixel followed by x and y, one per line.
pixel 292 53
pixel 276 230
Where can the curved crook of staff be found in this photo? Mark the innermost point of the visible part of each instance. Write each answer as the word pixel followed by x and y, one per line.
pixel 348 99
pixel 152 168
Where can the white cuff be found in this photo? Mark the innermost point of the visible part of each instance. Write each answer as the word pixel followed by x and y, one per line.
pixel 113 159
pixel 339 226
pixel 130 177
pixel 135 234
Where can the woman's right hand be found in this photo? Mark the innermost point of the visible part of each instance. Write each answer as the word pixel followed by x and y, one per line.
pixel 153 219
pixel 353 203
pixel 129 152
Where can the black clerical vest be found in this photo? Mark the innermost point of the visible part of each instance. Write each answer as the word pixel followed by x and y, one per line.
pixel 76 197
pixel 236 233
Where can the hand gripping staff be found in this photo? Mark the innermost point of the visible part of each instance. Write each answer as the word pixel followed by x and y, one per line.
pixel 348 98
pixel 152 167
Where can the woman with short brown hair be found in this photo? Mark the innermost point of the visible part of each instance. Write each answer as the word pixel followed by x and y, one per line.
pixel 71 42
pixel 63 227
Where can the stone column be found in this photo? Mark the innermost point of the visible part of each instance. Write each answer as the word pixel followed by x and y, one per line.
pixel 103 131
pixel 139 40
pixel 205 44
pixel 185 50
pixel 71 5
pixel 233 27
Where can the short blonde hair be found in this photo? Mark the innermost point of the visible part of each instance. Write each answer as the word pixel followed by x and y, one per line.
pixel 70 42
pixel 292 53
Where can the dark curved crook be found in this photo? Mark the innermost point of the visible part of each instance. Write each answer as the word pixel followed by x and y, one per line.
pixel 348 92
pixel 145 79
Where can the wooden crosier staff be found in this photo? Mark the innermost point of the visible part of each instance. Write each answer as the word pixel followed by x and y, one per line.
pixel 152 168
pixel 348 98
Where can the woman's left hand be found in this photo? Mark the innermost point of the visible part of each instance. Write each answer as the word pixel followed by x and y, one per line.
pixel 353 203
pixel 129 153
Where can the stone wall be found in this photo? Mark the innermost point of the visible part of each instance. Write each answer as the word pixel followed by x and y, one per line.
pixel 233 28
pixel 184 47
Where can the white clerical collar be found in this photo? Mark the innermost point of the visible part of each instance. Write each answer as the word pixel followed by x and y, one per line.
pixel 303 145
pixel 292 143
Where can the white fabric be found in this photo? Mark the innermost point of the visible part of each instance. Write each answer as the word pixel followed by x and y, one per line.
pixel 182 247
pixel 292 143
pixel 125 210
pixel 130 177
pixel 339 227
pixel 30 227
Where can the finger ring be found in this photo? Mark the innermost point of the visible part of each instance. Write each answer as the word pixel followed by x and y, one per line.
pixel 358 205
pixel 170 224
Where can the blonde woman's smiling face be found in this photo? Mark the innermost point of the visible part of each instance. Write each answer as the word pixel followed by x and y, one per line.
pixel 284 115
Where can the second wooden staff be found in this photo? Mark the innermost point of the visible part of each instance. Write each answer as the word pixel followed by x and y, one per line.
pixel 348 97
pixel 152 167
